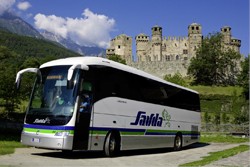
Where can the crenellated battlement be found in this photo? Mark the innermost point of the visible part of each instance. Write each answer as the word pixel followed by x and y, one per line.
pixel 171 51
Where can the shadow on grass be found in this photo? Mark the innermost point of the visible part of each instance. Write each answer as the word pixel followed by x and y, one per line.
pixel 10 135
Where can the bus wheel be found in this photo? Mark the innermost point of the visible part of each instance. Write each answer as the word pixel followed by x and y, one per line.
pixel 112 145
pixel 178 142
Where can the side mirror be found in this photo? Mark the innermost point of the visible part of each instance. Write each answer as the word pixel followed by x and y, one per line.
pixel 71 70
pixel 19 74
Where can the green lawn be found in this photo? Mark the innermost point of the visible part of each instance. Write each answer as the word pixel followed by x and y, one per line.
pixel 8 147
pixel 215 156
pixel 8 143
pixel 209 138
pixel 218 90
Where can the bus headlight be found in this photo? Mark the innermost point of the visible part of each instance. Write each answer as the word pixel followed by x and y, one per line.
pixel 61 133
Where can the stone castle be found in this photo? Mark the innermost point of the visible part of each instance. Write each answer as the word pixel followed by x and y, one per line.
pixel 165 55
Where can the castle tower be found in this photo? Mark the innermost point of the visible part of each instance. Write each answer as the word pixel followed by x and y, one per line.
pixel 226 32
pixel 228 40
pixel 194 38
pixel 122 46
pixel 142 41
pixel 236 43
pixel 156 43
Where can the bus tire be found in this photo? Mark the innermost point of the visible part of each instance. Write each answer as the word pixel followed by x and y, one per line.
pixel 178 142
pixel 112 145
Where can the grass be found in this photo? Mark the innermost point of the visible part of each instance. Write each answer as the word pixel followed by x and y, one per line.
pixel 219 90
pixel 8 147
pixel 208 138
pixel 215 156
pixel 8 144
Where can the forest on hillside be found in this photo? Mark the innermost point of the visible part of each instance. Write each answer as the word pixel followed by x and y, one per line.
pixel 33 47
pixel 19 52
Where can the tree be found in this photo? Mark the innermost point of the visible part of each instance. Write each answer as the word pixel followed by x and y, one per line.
pixel 117 58
pixel 243 78
pixel 214 64
pixel 9 63
pixel 28 78
pixel 176 78
pixel 207 117
pixel 240 115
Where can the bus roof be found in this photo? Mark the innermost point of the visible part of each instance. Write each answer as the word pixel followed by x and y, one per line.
pixel 109 63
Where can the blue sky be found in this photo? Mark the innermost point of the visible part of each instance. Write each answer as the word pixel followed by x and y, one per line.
pixel 106 19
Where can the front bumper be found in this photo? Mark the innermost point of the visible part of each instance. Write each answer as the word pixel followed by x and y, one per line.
pixel 49 141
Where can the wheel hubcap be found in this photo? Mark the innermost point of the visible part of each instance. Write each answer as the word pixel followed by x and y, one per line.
pixel 178 142
pixel 112 145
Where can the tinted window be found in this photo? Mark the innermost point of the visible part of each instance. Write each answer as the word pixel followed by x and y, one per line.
pixel 116 83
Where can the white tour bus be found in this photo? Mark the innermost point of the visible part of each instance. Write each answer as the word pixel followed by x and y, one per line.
pixel 90 103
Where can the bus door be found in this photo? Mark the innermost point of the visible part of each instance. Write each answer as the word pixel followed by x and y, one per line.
pixel 81 135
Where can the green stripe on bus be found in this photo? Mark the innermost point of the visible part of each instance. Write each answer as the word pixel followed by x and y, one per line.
pixel 166 131
pixel 104 132
pixel 33 130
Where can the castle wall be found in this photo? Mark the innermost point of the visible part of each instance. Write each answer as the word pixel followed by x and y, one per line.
pixel 121 45
pixel 165 55
pixel 174 48
pixel 160 69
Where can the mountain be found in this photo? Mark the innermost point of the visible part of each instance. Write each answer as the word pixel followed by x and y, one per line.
pixel 15 24
pixel 68 43
pixel 33 47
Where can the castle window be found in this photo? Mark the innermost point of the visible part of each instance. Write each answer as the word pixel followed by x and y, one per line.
pixel 119 46
pixel 167 58
pixel 197 28
pixel 177 57
pixel 155 29
pixel 185 51
pixel 192 28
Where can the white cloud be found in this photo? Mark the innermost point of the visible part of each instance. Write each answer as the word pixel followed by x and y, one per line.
pixel 23 5
pixel 5 5
pixel 89 30
pixel 52 23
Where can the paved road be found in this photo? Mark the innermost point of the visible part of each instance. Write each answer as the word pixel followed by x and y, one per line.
pixel 157 157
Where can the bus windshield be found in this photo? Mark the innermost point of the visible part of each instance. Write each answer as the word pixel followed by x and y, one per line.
pixel 52 103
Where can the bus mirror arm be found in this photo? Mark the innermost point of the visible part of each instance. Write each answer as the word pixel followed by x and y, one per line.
pixel 72 69
pixel 71 72
pixel 19 74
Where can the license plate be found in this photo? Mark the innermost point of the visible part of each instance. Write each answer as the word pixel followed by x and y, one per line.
pixel 35 140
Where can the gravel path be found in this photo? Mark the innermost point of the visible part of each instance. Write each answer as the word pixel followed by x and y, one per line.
pixel 157 157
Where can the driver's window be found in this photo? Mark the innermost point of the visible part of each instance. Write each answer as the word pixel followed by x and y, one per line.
pixel 86 97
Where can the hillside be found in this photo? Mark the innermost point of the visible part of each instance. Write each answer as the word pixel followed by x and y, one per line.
pixel 32 47
pixel 70 44
pixel 15 24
